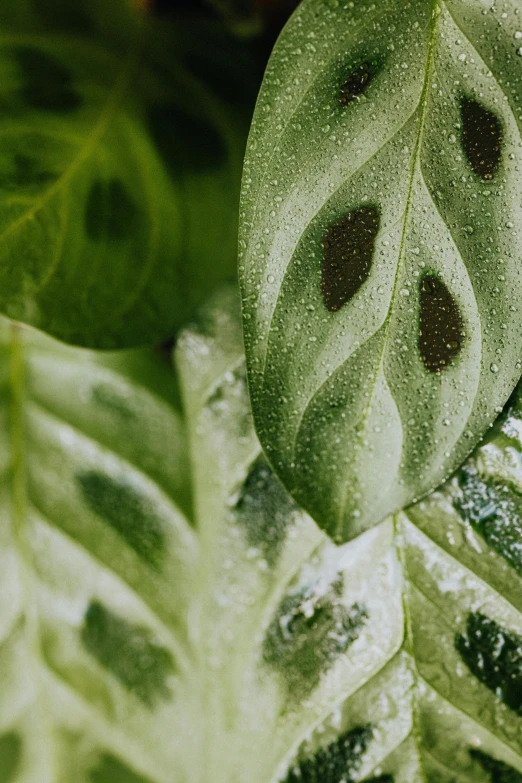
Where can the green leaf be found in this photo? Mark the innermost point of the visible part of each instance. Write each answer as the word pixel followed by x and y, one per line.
pixel 97 565
pixel 394 658
pixel 167 613
pixel 103 242
pixel 380 236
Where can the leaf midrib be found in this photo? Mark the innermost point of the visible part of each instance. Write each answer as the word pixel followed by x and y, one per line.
pixel 423 105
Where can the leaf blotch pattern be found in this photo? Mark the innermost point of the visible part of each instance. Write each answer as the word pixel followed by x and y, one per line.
pixel 339 761
pixel 129 652
pixel 47 84
pixel 264 510
pixel 494 512
pixel 441 331
pixel 357 83
pixel 498 771
pixel 106 397
pixel 309 632
pixel 494 655
pixel 127 512
pixel 110 212
pixel 111 770
pixel 26 172
pixel 10 756
pixel 348 249
pixel 481 138
pixel 186 141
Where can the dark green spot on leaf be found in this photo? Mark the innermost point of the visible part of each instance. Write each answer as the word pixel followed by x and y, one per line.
pixel 494 655
pixel 441 326
pixel 481 138
pixel 357 83
pixel 310 630
pixel 10 755
pixel 494 511
pixel 26 172
pixel 106 397
pixel 498 771
pixel 110 213
pixel 129 652
pixel 111 770
pixel 264 510
pixel 47 83
pixel 348 248
pixel 186 141
pixel 336 763
pixel 127 512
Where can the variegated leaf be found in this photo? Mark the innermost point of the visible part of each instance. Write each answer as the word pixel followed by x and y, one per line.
pixel 380 248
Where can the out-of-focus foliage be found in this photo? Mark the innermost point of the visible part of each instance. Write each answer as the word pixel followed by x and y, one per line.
pixel 122 150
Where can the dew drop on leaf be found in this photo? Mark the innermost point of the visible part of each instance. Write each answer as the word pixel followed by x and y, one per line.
pixel 348 248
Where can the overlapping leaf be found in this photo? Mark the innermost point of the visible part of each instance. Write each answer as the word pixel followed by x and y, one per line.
pixel 97 562
pixel 380 248
pixel 103 242
pixel 269 654
pixel 394 658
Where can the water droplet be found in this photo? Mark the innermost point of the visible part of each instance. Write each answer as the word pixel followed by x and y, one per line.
pixel 494 368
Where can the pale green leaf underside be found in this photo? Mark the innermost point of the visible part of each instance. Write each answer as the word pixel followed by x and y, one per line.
pixel 423 583
pixel 96 566
pixel 357 418
pixel 101 239
pixel 265 645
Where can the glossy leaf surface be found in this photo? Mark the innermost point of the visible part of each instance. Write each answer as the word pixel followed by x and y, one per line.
pixel 380 248
pixel 394 658
pixel 118 173
pixel 142 641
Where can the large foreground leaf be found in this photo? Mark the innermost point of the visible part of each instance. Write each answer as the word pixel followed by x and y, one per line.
pixel 103 242
pixel 381 233
pixel 130 652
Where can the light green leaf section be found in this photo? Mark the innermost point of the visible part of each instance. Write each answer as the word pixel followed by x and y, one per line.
pixel 287 618
pixel 395 658
pixel 169 614
pixel 380 246
pixel 103 241
pixel 97 566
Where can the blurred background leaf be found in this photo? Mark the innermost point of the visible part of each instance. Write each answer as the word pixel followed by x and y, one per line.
pixel 120 169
